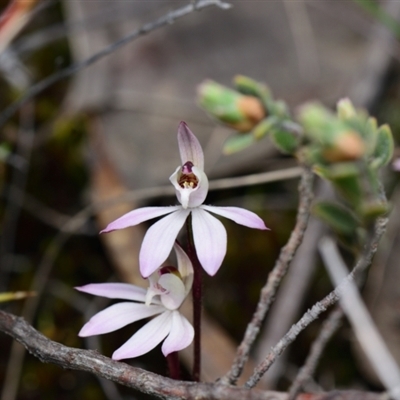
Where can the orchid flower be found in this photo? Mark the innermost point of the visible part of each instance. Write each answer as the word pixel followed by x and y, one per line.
pixel 191 185
pixel 169 287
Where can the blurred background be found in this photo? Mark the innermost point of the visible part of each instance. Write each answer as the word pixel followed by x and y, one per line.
pixel 111 128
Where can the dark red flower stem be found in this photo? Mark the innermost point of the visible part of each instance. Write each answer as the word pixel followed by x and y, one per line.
pixel 197 300
pixel 173 365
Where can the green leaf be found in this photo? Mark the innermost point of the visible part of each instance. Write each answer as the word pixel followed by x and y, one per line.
pixel 340 219
pixel 373 209
pixel 345 178
pixel 383 152
pixel 286 142
pixel 264 127
pixel 238 142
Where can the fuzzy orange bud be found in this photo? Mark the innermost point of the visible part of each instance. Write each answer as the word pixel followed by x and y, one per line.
pixel 348 146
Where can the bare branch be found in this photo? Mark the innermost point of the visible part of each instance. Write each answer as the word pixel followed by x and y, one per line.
pixel 321 306
pixel 363 326
pixel 146 382
pixel 166 19
pixel 275 277
pixel 328 329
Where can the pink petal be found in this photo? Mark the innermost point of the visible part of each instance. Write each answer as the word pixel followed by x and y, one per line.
pixel 209 239
pixel 146 338
pixel 118 316
pixel 239 215
pixel 135 217
pixel 181 335
pixel 115 291
pixel 158 241
pixel 189 147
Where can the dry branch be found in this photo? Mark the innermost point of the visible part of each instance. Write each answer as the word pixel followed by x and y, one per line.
pixel 147 382
pixel 275 277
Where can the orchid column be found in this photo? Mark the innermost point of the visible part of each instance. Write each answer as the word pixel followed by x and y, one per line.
pixel 207 236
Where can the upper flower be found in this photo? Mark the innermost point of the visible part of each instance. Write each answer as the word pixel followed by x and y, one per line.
pixel 191 186
pixel 168 289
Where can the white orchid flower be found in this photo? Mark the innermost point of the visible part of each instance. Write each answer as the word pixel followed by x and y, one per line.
pixel 169 287
pixel 191 186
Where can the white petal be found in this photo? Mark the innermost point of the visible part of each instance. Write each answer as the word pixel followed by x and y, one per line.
pixel 181 335
pixel 239 215
pixel 185 267
pixel 118 316
pixel 146 338
pixel 124 291
pixel 158 241
pixel 189 147
pixel 175 288
pixel 209 239
pixel 137 216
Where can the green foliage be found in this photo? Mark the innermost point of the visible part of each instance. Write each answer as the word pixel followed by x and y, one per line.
pixel 383 151
pixel 339 218
pixel 285 141
pixel 347 148
pixel 237 143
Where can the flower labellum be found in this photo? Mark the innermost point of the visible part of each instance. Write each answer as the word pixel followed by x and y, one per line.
pixel 191 186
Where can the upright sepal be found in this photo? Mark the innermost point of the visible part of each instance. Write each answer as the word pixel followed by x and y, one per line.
pixel 189 147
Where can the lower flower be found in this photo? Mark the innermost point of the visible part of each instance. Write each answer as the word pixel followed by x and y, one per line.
pixel 169 287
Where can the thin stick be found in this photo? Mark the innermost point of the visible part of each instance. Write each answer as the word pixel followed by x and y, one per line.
pixel 275 277
pixel 321 306
pixel 197 301
pixel 165 20
pixel 363 326
pixel 328 329
pixel 173 365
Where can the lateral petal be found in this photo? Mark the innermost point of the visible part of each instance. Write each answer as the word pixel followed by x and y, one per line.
pixel 239 215
pixel 180 336
pixel 137 216
pixel 209 239
pixel 159 239
pixel 117 316
pixel 124 291
pixel 189 147
pixel 146 338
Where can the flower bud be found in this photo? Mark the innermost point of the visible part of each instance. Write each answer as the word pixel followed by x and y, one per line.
pixel 347 146
pixel 241 112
